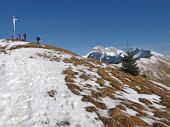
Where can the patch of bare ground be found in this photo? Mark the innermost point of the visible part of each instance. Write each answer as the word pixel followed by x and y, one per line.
pixel 113 82
pixel 77 61
pixel 121 106
pixel 85 77
pixel 70 75
pixel 91 109
pixel 50 57
pixel 132 80
pixel 74 88
pixel 166 101
pixel 165 81
pixel 136 107
pixel 69 79
pixel 145 101
pixel 100 81
pixel 159 125
pixel 107 92
pixel 98 104
pixel 124 120
pixel 164 115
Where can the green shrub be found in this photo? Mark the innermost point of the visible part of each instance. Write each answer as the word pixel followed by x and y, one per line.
pixel 129 64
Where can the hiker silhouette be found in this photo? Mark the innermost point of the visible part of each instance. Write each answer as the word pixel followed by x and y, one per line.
pixel 38 40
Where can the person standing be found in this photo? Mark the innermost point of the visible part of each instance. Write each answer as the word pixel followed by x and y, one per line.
pixel 19 37
pixel 38 40
pixel 13 39
pixel 25 36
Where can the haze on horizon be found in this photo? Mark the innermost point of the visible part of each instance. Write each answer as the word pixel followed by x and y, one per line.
pixel 79 25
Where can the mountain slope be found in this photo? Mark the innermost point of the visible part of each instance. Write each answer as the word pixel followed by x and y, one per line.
pixel 51 87
pixel 151 64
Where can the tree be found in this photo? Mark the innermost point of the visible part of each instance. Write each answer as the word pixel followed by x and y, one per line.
pixel 129 64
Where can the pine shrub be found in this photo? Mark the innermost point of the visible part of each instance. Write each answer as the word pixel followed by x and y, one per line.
pixel 129 64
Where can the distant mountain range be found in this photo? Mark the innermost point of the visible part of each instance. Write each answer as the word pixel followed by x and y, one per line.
pixel 113 55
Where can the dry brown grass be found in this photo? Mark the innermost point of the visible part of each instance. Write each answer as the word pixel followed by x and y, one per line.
pixel 93 101
pixel 120 106
pixel 51 58
pixel 74 88
pixel 80 61
pixel 159 125
pixel 113 82
pixel 91 109
pixel 165 81
pixel 109 122
pixel 100 81
pixel 163 114
pixel 101 72
pixel 116 86
pixel 107 92
pixel 166 101
pixel 124 120
pixel 135 106
pixel 44 46
pixel 70 75
pixel 143 100
pixel 69 78
pixel 84 77
pixel 96 94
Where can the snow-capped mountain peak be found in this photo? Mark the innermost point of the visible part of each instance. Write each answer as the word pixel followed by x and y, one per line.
pixel 112 51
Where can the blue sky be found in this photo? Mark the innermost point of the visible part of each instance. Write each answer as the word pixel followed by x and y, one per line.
pixel 79 25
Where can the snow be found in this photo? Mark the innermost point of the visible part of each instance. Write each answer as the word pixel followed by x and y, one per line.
pixel 161 85
pixel 111 51
pixel 26 78
pixel 8 43
pixel 24 99
pixel 110 103
pixel 132 95
pixel 131 112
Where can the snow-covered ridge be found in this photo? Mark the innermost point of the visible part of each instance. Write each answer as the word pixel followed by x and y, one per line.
pixel 7 43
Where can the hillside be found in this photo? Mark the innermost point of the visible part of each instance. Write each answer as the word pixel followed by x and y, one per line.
pixel 154 65
pixel 45 86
